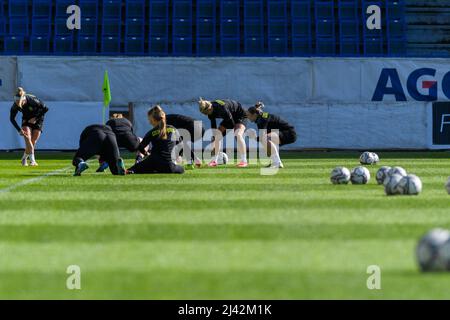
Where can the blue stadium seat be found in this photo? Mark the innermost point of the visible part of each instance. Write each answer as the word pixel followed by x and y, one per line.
pixel 135 9
pixel 230 46
pixel 112 9
pixel 254 28
pixel 349 28
pixel 158 46
pixel 39 45
pixel 276 9
pixel 18 8
pixel 278 46
pixel 325 28
pixel 14 45
pixel 158 9
pixel 2 26
pixel 396 47
pixel 182 27
pixel 63 45
pixel 182 46
pixel 41 26
pixel 182 9
pixel 230 9
pixel 89 8
pixel 301 47
pixel 134 46
pixel 61 27
pixel 206 27
pixel 349 47
pixel 301 28
pixel 135 27
pixel 206 46
pixel 277 28
pixel 206 8
pixel 395 9
pixel 87 45
pixel 42 8
pixel 61 7
pixel 324 10
pixel 301 9
pixel 88 26
pixel 326 46
pixel 230 28
pixel 253 9
pixel 110 45
pixel 254 46
pixel 373 46
pixel 396 28
pixel 111 27
pixel 18 26
pixel 159 27
pixel 348 10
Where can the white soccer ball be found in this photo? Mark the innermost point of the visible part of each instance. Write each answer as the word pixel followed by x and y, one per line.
pixel 369 158
pixel 447 185
pixel 360 175
pixel 433 251
pixel 340 175
pixel 397 170
pixel 410 185
pixel 222 158
pixel 391 185
pixel 382 173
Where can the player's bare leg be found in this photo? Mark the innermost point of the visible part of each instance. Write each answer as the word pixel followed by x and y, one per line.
pixel 35 135
pixel 242 149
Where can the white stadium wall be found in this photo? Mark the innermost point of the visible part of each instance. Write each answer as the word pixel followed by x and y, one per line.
pixel 331 102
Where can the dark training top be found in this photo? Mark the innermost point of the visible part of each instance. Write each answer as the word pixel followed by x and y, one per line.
pixel 95 128
pixel 33 108
pixel 121 126
pixel 180 121
pixel 271 122
pixel 228 110
pixel 161 148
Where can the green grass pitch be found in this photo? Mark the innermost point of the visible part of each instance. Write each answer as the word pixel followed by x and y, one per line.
pixel 220 233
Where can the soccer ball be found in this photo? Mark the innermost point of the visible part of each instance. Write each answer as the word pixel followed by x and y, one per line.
pixel 360 175
pixel 447 185
pixel 410 185
pixel 391 184
pixel 222 158
pixel 397 170
pixel 433 251
pixel 382 173
pixel 340 175
pixel 369 158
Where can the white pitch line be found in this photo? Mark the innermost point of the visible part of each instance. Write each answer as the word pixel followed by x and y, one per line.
pixel 33 180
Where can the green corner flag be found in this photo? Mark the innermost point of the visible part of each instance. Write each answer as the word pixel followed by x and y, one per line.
pixel 106 95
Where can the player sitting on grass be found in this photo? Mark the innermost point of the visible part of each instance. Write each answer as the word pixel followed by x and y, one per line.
pixel 98 140
pixel 33 112
pixel 163 140
pixel 126 138
pixel 193 127
pixel 233 116
pixel 271 140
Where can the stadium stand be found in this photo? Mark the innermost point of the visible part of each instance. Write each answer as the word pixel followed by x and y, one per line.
pixel 220 28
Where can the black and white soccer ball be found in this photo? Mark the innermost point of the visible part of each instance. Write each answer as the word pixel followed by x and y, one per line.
pixel 391 185
pixel 397 170
pixel 222 158
pixel 360 175
pixel 369 158
pixel 447 185
pixel 410 185
pixel 382 173
pixel 340 175
pixel 433 251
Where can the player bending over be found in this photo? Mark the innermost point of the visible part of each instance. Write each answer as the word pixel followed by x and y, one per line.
pixel 126 138
pixel 33 112
pixel 98 140
pixel 193 127
pixel 233 116
pixel 271 140
pixel 162 140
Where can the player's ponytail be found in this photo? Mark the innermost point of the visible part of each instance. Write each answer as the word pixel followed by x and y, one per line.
pixel 257 109
pixel 159 115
